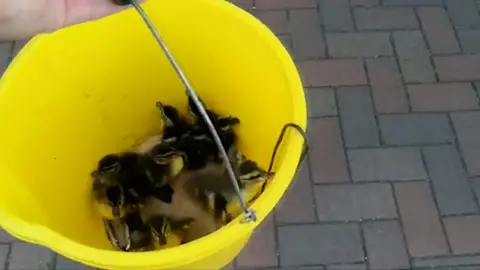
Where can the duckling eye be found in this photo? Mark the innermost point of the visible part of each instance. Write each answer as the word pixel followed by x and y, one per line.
pixel 114 196
pixel 109 163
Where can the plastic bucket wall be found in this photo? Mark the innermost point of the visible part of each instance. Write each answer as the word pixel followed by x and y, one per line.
pixel 71 97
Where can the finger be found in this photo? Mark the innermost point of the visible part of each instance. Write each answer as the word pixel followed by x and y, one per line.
pixel 78 11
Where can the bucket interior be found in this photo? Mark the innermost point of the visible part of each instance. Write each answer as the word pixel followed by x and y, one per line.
pixel 74 96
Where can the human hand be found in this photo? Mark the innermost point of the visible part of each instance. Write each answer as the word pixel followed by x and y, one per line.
pixel 21 19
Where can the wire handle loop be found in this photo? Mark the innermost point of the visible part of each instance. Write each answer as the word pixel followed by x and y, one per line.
pixel 249 214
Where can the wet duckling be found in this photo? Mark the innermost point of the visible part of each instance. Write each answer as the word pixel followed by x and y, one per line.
pixel 108 193
pixel 140 233
pixel 175 125
pixel 117 233
pixel 167 232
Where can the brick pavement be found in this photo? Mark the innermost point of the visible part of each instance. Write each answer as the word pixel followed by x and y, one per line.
pixel 393 178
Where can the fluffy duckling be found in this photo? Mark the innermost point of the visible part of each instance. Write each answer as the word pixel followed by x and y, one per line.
pixel 108 193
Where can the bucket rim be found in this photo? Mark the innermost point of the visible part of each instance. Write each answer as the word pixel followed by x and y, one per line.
pixel 210 244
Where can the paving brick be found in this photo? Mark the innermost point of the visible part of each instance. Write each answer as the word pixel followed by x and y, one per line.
pixel 438 29
pixel 421 224
pixel 27 256
pixel 442 97
pixel 4 250
pixel 467 127
pixel 246 5
pixel 284 4
pixel 319 244
pixel 413 56
pixel 347 267
pixel 298 196
pixel 336 15
pixel 321 102
pixel 354 202
pixel 358 117
pixel 358 44
pixel 336 72
pixel 458 67
pixel 5 237
pixel 386 164
pixel 230 266
pixel 276 20
pixel 5 54
pixel 67 264
pixel 412 2
pixel 445 262
pixel 364 3
pixel 327 156
pixel 449 180
pixel 462 234
pixel 449 268
pixel 387 87
pixel 306 34
pixel 261 248
pixel 408 129
pixel 464 13
pixel 476 187
pixel 385 246
pixel 377 18
pixel 18 45
pixel 470 40
pixel 286 42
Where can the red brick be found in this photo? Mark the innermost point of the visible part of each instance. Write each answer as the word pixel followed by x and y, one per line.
pixel 463 234
pixel 298 196
pixel 327 156
pixel 442 97
pixel 439 30
pixel 276 20
pixel 387 87
pixel 458 67
pixel 285 4
pixel 364 3
pixel 306 34
pixel 261 248
pixel 333 72
pixel 421 223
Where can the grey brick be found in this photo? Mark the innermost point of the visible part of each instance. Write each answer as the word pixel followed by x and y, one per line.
pixel 467 126
pixel 384 244
pixel 386 164
pixel 442 97
pixel 261 248
pixel 470 40
pixel 27 256
pixel 364 3
pixel 276 20
pixel 446 261
pixel 298 196
pixel 18 45
pixel 464 13
pixel 321 102
pixel 413 56
pixel 358 117
pixel 347 267
pixel 4 249
pixel 5 55
pixel 67 264
pixel 476 187
pixel 387 86
pixel 412 2
pixel 5 237
pixel 449 268
pixel 327 157
pixel 449 180
pixel 319 244
pixel 354 202
pixel 421 224
pixel 385 18
pixel 336 15
pixel 306 34
pixel 411 129
pixel 438 29
pixel 358 44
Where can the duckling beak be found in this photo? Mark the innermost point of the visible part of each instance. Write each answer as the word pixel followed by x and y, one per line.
pixel 116 211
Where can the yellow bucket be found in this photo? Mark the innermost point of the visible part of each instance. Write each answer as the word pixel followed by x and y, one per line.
pixel 71 97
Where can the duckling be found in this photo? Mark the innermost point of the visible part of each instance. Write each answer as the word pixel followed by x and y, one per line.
pixel 175 125
pixel 140 233
pixel 108 193
pixel 166 232
pixel 117 233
